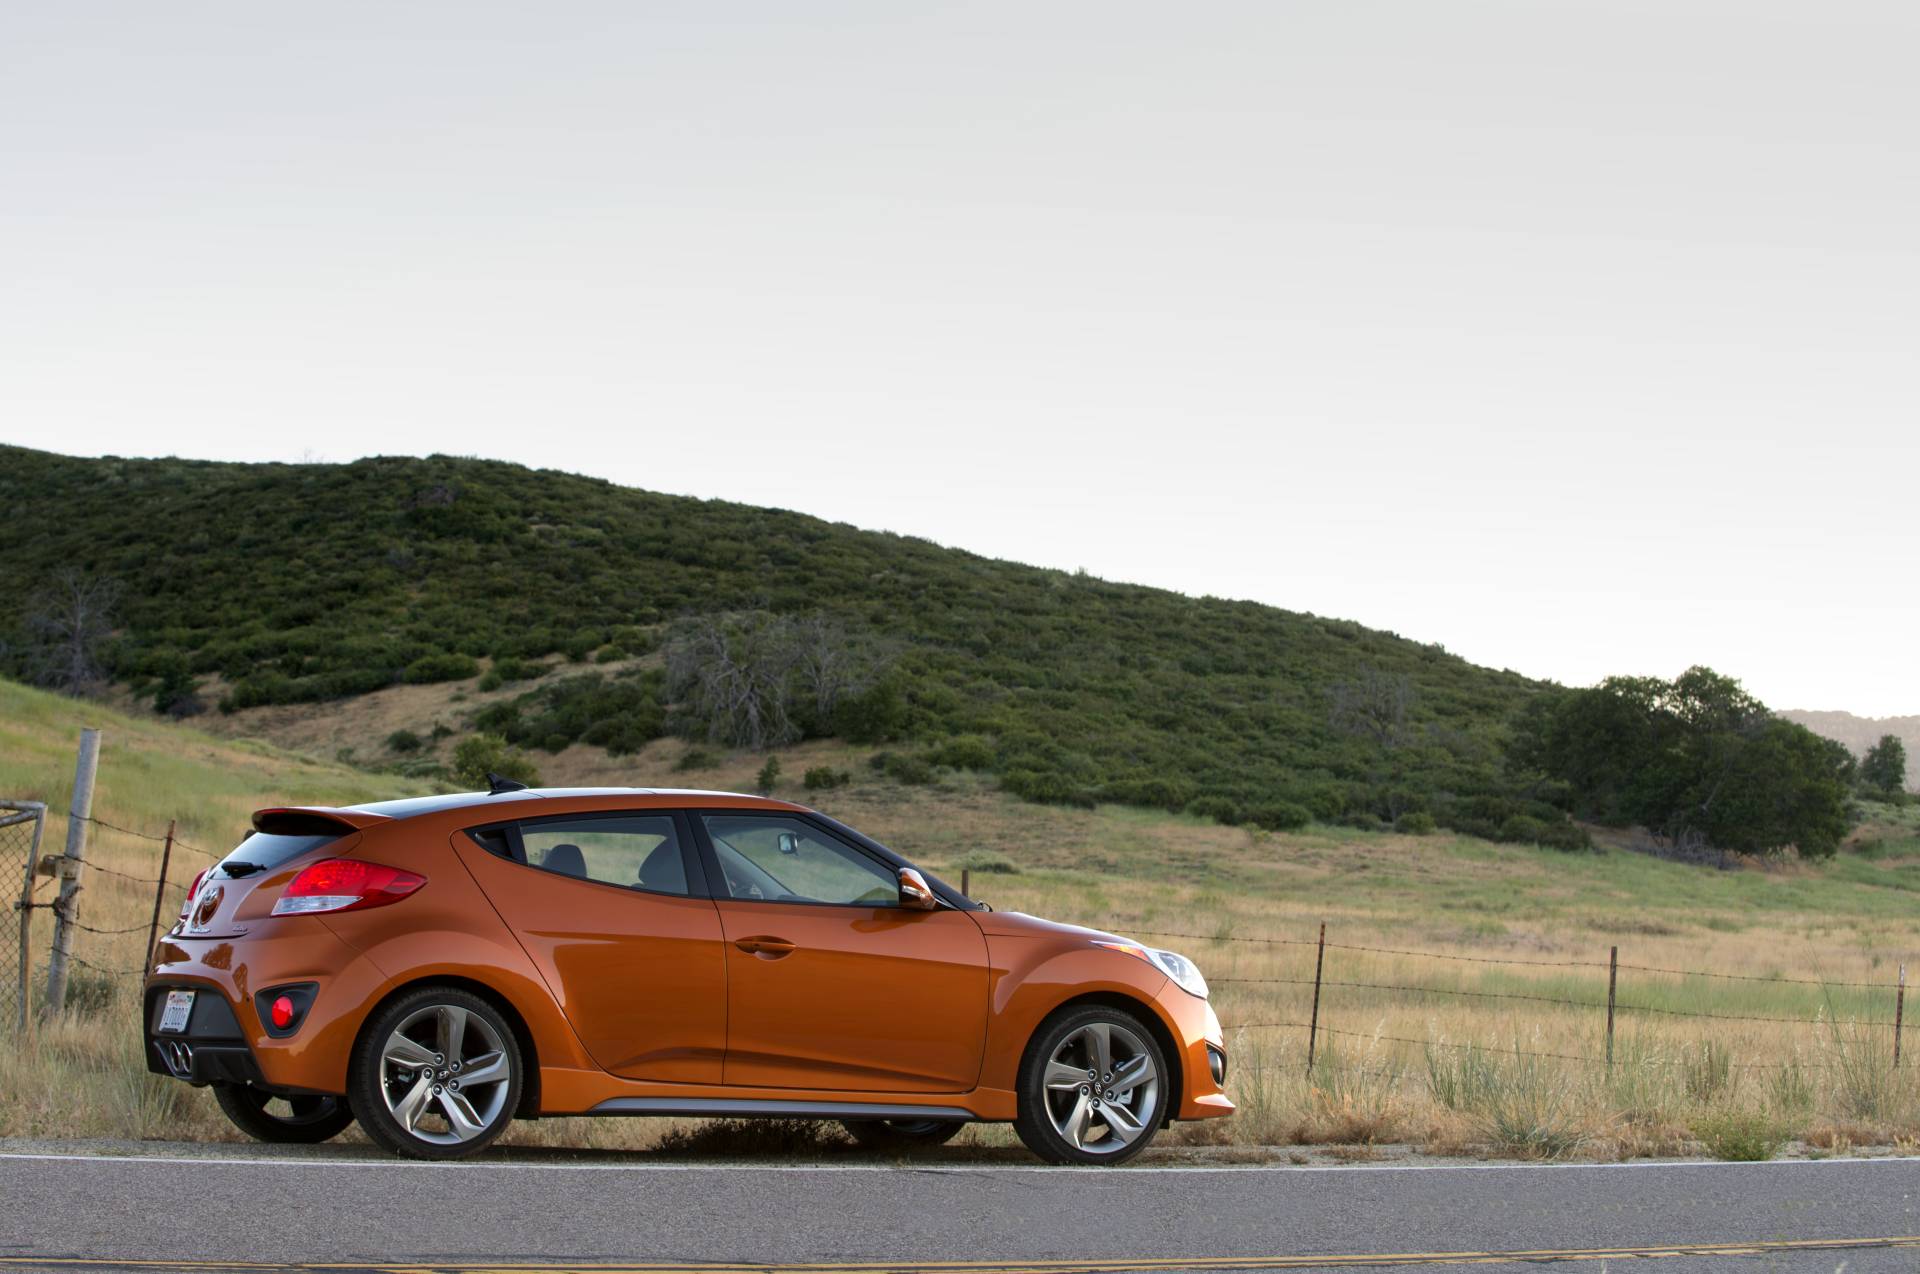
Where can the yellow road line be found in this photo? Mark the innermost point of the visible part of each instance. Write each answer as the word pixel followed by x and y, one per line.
pixel 1122 1265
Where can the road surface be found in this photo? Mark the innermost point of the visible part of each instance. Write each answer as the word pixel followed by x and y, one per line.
pixel 242 1211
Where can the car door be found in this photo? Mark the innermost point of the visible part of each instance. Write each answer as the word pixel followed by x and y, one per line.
pixel 831 983
pixel 612 909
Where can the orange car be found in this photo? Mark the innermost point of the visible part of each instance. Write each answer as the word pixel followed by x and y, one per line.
pixel 440 966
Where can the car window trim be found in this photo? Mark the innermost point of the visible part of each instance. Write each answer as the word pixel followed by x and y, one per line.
pixel 692 857
pixel 698 816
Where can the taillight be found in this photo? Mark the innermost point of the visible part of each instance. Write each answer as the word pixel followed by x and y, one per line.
pixel 345 884
pixel 186 908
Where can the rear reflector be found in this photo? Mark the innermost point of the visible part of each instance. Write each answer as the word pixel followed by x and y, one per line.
pixel 345 884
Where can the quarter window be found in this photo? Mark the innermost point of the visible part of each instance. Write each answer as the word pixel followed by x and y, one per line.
pixel 637 851
pixel 772 859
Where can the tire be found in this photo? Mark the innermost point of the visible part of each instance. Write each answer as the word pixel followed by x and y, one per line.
pixel 902 1135
pixel 313 1118
pixel 413 1079
pixel 1072 1119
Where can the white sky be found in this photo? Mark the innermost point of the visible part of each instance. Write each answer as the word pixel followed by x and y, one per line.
pixel 1580 338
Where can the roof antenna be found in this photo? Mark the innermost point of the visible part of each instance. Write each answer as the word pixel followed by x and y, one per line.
pixel 498 783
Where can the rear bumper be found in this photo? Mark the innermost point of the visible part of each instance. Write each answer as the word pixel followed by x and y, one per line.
pixel 225 1040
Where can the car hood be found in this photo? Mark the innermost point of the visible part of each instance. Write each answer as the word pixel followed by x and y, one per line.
pixel 1015 924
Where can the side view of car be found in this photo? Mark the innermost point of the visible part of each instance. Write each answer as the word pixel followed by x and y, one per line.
pixel 435 968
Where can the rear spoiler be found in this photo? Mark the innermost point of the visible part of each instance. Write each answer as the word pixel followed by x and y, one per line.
pixel 312 820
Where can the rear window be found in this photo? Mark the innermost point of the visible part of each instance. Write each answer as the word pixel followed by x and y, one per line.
pixel 267 851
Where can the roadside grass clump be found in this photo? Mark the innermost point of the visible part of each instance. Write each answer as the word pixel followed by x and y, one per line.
pixel 1706 1073
pixel 1862 1083
pixel 1352 1101
pixel 1524 1105
pixel 1740 1136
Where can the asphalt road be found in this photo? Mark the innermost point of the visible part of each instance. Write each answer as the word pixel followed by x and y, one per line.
pixel 196 1208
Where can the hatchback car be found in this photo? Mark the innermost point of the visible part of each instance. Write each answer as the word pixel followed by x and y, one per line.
pixel 438 967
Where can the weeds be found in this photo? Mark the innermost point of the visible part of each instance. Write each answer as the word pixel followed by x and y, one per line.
pixel 1740 1136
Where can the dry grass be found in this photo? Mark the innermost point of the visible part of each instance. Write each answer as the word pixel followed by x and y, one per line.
pixel 1440 1068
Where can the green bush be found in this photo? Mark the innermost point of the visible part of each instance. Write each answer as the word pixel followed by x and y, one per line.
pixel 964 752
pixel 481 754
pixel 982 862
pixel 768 778
pixel 1416 823
pixel 695 759
pixel 442 667
pixel 1046 787
pixel 1279 816
pixel 1220 809
pixel 403 741
pixel 1740 1136
pixel 902 767
pixel 824 778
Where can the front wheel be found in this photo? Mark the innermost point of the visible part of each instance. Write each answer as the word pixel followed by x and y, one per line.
pixel 436 1075
pixel 302 1120
pixel 1093 1087
pixel 900 1135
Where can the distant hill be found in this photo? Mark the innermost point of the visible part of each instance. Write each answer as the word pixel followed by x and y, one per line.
pixel 1861 733
pixel 253 584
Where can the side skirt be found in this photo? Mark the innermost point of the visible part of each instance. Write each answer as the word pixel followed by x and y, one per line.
pixel 739 1106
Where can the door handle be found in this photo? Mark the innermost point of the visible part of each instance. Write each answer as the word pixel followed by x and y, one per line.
pixel 771 948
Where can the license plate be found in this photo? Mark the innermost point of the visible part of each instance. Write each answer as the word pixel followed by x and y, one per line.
pixel 173 1018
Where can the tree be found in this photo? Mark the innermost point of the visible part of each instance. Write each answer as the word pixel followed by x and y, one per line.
pixel 67 625
pixel 1884 771
pixel 758 680
pixel 1697 761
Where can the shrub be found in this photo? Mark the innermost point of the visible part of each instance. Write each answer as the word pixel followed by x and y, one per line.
pixel 824 778
pixel 982 862
pixel 874 716
pixel 903 768
pixel 1153 793
pixel 1417 823
pixel 1221 809
pixel 695 759
pixel 1740 1136
pixel 1279 816
pixel 769 776
pixel 443 667
pixel 481 754
pixel 1046 787
pixel 403 741
pixel 964 752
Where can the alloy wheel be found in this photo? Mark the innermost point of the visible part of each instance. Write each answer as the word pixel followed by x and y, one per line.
pixel 1102 1088
pixel 445 1074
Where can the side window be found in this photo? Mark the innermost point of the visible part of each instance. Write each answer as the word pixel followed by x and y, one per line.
pixel 767 858
pixel 638 851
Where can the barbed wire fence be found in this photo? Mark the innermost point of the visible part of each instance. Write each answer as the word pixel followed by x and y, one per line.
pixel 1610 1005
pixel 21 825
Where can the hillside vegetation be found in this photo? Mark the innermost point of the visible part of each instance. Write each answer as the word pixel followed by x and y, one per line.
pixel 238 586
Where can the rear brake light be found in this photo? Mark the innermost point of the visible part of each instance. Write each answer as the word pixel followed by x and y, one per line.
pixel 345 884
pixel 186 908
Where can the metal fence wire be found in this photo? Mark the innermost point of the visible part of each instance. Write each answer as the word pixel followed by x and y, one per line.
pixel 21 824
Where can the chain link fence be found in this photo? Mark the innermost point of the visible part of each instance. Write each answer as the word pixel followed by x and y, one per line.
pixel 21 823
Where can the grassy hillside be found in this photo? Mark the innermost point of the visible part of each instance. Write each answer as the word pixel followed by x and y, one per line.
pixel 1216 892
pixel 254 585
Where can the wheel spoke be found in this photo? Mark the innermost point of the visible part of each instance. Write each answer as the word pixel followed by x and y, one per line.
pixel 409 1108
pixel 452 1031
pixel 1074 1126
pixel 488 1068
pixel 412 1054
pixel 1099 1038
pixel 1062 1078
pixel 461 1116
pixel 1120 1122
pixel 1133 1072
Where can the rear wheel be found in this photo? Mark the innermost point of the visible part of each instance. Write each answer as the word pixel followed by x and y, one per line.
pixel 436 1075
pixel 293 1121
pixel 901 1134
pixel 1093 1087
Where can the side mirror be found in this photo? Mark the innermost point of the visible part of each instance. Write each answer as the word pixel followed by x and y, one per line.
pixel 789 843
pixel 915 893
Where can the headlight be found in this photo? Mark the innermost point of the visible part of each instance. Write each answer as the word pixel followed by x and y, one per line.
pixel 1185 974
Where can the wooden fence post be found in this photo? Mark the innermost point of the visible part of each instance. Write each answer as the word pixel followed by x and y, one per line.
pixel 159 894
pixel 1613 978
pixel 79 815
pixel 25 1024
pixel 1313 1022
pixel 1899 1012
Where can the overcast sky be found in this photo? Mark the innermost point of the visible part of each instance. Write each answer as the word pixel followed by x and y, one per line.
pixel 1579 338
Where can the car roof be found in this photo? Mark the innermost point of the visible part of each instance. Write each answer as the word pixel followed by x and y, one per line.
pixel 409 807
